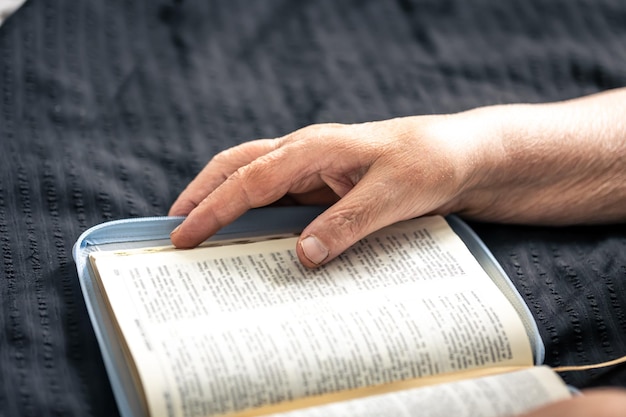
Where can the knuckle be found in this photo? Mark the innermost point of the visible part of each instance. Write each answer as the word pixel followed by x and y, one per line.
pixel 223 156
pixel 223 163
pixel 347 224
pixel 253 180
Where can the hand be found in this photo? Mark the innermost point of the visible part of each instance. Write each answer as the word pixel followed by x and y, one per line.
pixel 375 174
pixel 595 403
pixel 557 163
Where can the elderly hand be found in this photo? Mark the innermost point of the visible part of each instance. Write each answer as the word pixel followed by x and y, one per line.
pixel 375 174
pixel 553 163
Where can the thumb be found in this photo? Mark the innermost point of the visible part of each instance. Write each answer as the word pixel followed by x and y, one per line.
pixel 352 218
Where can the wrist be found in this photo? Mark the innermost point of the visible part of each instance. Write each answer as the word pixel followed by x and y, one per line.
pixel 474 142
pixel 555 163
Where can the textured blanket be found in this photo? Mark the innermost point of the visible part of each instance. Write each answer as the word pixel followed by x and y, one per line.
pixel 109 108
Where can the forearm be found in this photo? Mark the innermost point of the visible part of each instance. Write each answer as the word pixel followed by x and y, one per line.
pixel 558 163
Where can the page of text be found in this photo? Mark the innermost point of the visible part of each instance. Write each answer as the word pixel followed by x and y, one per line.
pixel 503 395
pixel 220 329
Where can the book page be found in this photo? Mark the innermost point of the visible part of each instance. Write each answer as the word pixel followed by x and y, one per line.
pixel 219 329
pixel 502 395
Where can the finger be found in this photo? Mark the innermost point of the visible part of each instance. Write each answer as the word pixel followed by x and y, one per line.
pixel 259 183
pixel 352 218
pixel 217 171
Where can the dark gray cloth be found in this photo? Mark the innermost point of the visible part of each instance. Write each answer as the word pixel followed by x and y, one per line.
pixel 109 108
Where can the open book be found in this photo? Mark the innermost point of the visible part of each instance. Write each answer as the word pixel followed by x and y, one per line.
pixel 415 317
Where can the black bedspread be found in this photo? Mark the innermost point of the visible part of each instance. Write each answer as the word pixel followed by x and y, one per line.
pixel 108 109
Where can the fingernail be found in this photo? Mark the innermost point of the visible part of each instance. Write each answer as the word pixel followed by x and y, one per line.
pixel 173 232
pixel 314 250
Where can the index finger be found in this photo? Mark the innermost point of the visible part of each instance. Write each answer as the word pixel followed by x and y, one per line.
pixel 217 171
pixel 259 183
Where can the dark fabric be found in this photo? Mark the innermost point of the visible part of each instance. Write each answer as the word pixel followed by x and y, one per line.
pixel 108 109
pixel 574 282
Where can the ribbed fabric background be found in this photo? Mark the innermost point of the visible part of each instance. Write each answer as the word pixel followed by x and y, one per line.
pixel 108 109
